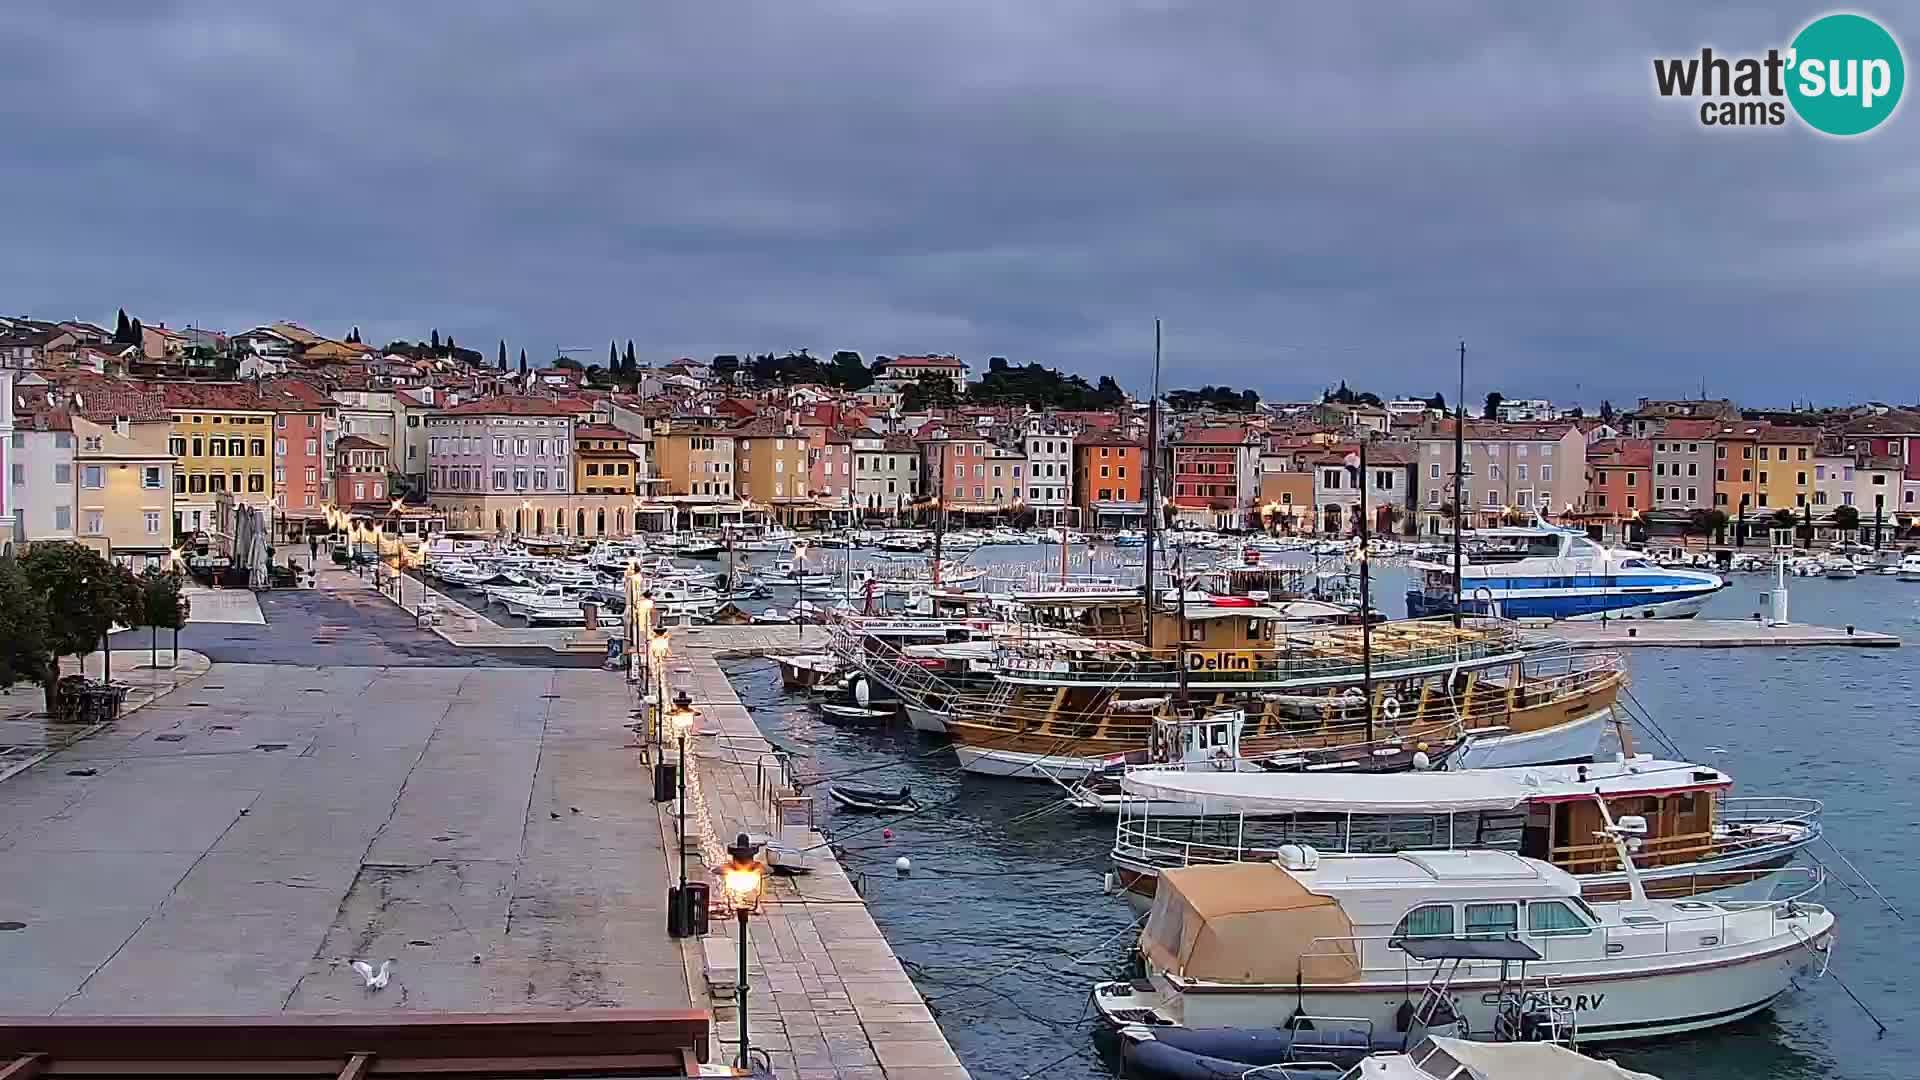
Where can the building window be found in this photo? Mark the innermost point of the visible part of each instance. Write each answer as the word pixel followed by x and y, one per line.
pixel 236 448
pixel 91 477
pixel 150 477
pixel 63 518
pixel 153 523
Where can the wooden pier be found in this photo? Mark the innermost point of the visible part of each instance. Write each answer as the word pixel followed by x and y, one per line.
pixel 1706 634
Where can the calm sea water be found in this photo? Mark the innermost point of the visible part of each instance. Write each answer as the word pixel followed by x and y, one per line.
pixel 1004 927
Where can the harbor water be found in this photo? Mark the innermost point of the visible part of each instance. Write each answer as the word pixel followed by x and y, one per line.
pixel 1004 925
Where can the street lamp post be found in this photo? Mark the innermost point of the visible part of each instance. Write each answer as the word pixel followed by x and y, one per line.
pixel 742 881
pixel 682 718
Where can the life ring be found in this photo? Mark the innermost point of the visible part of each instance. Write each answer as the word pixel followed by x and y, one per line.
pixel 1390 707
pixel 1222 760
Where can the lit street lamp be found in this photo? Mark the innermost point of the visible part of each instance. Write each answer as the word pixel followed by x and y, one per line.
pixel 681 718
pixel 742 881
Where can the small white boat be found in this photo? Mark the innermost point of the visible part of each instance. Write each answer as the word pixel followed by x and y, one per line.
pixel 791 573
pixel 1130 538
pixel 1909 568
pixel 1838 568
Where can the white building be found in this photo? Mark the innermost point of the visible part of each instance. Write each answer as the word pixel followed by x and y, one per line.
pixel 1049 448
pixel 6 455
pixel 40 471
pixel 1526 410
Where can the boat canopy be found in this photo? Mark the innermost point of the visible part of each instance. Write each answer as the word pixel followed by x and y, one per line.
pixel 1250 923
pixel 1503 1061
pixel 1456 792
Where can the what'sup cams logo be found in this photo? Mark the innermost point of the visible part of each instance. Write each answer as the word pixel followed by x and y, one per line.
pixel 1842 75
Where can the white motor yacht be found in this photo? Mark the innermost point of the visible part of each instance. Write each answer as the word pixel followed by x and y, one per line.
pixel 1251 944
pixel 1543 572
pixel 1909 568
pixel 1838 568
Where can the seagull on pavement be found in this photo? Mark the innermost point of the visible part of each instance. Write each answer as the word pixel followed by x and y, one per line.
pixel 375 980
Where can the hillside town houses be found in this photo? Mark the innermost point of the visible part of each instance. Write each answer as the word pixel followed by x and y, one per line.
pixel 138 440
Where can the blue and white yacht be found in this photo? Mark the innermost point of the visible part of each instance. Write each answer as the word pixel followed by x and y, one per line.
pixel 1542 572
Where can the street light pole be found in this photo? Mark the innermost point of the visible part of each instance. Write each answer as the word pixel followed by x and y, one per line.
pixel 742 881
pixel 682 723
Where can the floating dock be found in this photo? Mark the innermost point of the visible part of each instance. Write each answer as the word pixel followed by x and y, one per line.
pixel 1707 634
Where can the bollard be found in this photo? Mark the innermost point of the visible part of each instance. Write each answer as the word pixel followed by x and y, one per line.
pixel 1633 631
pixel 1849 629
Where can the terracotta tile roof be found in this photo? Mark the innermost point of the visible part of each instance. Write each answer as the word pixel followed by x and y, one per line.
pixel 600 431
pixel 922 361
pixel 355 442
pixel 514 405
pixel 216 396
pixel 409 400
pixel 1896 422
pixel 1212 436
pixel 762 427
pixel 1688 429
pixel 1105 438
pixel 46 419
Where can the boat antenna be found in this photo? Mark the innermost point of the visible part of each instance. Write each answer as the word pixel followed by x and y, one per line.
pixel 1366 620
pixel 1153 487
pixel 1459 478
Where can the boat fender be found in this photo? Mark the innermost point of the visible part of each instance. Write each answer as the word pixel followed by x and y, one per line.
pixel 903 866
pixel 862 693
pixel 1390 707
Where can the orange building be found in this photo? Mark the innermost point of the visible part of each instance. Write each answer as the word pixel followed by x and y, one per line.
pixel 1109 480
pixel 1620 477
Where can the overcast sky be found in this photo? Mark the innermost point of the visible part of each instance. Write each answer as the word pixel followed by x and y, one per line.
pixel 1301 194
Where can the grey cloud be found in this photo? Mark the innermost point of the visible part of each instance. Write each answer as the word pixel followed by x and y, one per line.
pixel 1303 195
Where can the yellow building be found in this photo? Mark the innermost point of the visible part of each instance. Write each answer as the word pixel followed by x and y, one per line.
pixel 770 461
pixel 1784 470
pixel 696 461
pixel 222 440
pixel 125 484
pixel 602 462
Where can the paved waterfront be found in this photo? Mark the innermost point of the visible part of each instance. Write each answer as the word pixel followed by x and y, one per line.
pixel 231 847
pixel 1708 634
pixel 828 998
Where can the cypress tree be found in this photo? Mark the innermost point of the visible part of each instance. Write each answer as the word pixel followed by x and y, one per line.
pixel 523 361
pixel 613 357
pixel 503 354
pixel 122 330
pixel 630 365
pixel 436 341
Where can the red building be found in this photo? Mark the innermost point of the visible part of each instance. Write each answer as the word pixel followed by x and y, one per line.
pixel 1206 477
pixel 359 473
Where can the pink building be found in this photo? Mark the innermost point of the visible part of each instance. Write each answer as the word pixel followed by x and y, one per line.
pixel 303 425
pixel 359 472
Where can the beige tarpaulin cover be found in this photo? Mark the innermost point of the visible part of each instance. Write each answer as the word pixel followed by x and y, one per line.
pixel 1440 1057
pixel 1247 923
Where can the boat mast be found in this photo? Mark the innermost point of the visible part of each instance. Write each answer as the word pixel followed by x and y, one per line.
pixel 1459 477
pixel 1153 487
pixel 1366 622
pixel 939 508
pixel 1180 650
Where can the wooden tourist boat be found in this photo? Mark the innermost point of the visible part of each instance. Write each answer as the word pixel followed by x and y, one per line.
pixel 1323 698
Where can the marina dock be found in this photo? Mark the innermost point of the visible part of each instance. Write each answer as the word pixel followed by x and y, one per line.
pixel 1707 634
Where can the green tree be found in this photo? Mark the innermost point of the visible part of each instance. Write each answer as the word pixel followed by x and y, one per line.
pixel 122 329
pixel 162 607
pixel 1437 402
pixel 353 336
pixel 1606 411
pixel 847 371
pixel 83 595
pixel 569 363
pixel 503 354
pixel 930 390
pixel 1783 518
pixel 629 366
pixel 613 356
pixel 1494 398
pixel 25 655
pixel 726 367
pixel 523 361
pixel 1847 520
pixel 436 340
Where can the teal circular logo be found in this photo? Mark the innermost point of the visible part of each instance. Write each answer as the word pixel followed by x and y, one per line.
pixel 1846 74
